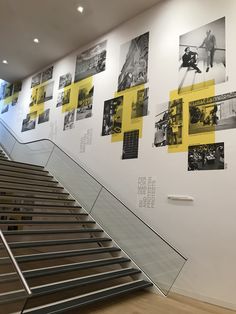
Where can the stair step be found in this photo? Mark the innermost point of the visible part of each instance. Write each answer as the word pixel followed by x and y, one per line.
pixel 62 254
pixel 89 298
pixel 22 164
pixel 53 270
pixel 33 198
pixel 33 181
pixel 44 222
pixel 78 282
pixel 19 245
pixel 34 187
pixel 40 214
pixel 3 158
pixel 20 169
pixel 50 231
pixel 38 206
pixel 22 191
pixel 13 173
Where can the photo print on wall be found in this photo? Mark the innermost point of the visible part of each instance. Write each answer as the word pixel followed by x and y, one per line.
pixel 47 74
pixel 44 117
pixel 65 80
pixel 202 57
pixel 69 120
pixel 91 62
pixel 36 80
pixel 206 157
pixel 134 62
pixel 213 113
pixel 140 107
pixel 85 102
pixel 5 109
pixel 8 90
pixel 63 98
pixel 29 122
pixel 45 93
pixel 112 116
pixel 169 123
pixel 130 144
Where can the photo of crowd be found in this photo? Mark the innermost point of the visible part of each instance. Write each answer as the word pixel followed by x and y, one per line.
pixel 206 157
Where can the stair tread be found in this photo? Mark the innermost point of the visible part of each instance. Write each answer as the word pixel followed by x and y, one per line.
pixel 9 164
pixel 77 282
pixel 32 213
pixel 23 163
pixel 50 231
pixel 31 179
pixel 25 173
pixel 44 222
pixel 68 253
pixel 32 186
pixel 19 197
pixel 52 270
pixel 89 298
pixel 23 205
pixel 16 245
pixel 9 189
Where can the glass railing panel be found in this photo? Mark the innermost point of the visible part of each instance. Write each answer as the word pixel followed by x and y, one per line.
pixel 160 261
pixel 6 139
pixel 74 179
pixel 34 153
pixel 12 292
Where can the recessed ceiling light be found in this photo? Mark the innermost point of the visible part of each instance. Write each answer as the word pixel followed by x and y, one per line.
pixel 80 9
pixel 36 40
pixel 5 61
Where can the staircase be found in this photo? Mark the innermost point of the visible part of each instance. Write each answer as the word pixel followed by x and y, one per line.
pixel 66 258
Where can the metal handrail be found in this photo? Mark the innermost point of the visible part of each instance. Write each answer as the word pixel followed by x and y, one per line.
pixel 104 187
pixel 14 262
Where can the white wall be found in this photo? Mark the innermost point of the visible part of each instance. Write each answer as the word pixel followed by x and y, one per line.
pixel 203 231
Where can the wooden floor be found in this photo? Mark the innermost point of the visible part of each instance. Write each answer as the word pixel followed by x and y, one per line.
pixel 150 303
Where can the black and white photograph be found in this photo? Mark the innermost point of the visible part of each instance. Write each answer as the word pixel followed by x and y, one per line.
pixel 47 74
pixel 69 120
pixel 8 90
pixel 85 102
pixel 2 88
pixel 36 80
pixel 169 124
pixel 45 93
pixel 63 98
pixel 65 80
pixel 44 116
pixel 14 101
pixel 33 97
pixel 213 113
pixel 202 55
pixel 112 116
pixel 29 122
pixel 133 62
pixel 91 62
pixel 5 108
pixel 206 157
pixel 17 86
pixel 130 144
pixel 140 106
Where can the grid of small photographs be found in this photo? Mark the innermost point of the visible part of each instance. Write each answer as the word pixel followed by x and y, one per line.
pixel 91 62
pixel 130 144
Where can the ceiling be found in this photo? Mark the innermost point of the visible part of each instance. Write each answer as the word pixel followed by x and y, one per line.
pixel 59 27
